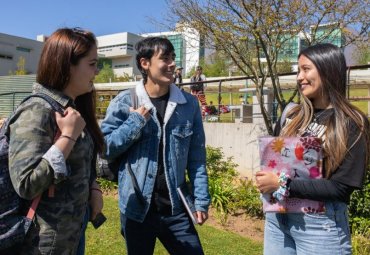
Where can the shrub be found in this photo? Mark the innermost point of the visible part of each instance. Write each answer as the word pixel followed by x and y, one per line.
pixel 106 185
pixel 218 167
pixel 359 207
pixel 359 212
pixel 247 198
pixel 228 192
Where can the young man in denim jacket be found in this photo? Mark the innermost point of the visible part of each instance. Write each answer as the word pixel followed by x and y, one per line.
pixel 158 141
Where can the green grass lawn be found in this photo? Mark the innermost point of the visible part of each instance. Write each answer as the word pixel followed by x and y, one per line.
pixel 108 240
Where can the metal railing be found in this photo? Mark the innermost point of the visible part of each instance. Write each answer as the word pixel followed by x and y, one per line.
pixel 9 100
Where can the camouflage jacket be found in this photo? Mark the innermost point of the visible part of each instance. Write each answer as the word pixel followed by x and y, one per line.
pixel 59 218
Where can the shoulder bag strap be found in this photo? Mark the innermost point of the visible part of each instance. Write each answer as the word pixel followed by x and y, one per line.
pixel 57 108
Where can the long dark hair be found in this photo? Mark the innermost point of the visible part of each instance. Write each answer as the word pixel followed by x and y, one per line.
pixel 330 62
pixel 150 46
pixel 63 49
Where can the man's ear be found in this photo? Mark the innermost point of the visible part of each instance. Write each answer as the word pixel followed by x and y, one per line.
pixel 145 63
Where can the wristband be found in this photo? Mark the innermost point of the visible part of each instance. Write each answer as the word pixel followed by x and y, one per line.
pixel 283 191
pixel 68 137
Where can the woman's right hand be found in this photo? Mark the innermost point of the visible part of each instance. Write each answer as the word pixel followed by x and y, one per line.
pixel 71 124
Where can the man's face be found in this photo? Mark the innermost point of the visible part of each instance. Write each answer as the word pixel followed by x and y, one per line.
pixel 160 68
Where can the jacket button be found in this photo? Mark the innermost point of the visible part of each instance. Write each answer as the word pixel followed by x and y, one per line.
pixel 150 176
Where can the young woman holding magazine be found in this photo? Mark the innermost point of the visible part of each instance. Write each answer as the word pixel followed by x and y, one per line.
pixel 324 112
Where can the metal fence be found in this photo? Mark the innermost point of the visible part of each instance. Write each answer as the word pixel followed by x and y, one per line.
pixel 231 98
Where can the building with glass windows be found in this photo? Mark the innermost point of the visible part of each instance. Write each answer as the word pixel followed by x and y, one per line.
pixel 325 33
pixel 12 48
pixel 328 33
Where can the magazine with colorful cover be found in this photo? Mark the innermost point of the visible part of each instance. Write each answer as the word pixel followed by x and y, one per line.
pixel 300 158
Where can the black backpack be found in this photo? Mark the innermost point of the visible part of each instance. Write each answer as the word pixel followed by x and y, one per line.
pixel 13 224
pixel 108 169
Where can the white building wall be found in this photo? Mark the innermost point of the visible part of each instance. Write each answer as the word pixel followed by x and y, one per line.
pixel 192 48
pixel 14 47
pixel 120 48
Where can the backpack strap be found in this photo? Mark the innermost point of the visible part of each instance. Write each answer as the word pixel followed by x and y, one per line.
pixel 134 98
pixel 54 104
pixel 57 108
pixel 139 195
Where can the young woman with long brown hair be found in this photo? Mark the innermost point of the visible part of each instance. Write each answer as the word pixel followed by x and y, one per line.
pixel 53 155
pixel 324 112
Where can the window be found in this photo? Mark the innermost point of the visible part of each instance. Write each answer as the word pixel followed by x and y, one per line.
pixel 123 46
pixel 6 56
pixel 23 49
pixel 124 65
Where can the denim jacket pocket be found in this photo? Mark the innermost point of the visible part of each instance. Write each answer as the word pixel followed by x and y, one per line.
pixel 182 132
pixel 180 139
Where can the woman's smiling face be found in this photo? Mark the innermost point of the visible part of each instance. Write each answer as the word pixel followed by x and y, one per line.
pixel 308 79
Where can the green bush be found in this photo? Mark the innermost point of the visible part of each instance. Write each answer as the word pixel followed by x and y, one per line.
pixel 247 199
pixel 359 207
pixel 229 193
pixel 218 167
pixel 359 218
pixel 106 185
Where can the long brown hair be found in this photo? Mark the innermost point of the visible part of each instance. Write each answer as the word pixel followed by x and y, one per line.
pixel 64 48
pixel 331 65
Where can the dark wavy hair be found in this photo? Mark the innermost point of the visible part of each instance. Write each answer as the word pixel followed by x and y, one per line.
pixel 63 49
pixel 149 47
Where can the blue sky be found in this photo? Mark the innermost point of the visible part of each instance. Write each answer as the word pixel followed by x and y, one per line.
pixel 29 18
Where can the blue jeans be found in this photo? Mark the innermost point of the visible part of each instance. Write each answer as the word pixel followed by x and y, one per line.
pixel 177 234
pixel 308 233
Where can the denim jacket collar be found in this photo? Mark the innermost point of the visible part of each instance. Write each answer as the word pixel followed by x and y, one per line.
pixel 176 97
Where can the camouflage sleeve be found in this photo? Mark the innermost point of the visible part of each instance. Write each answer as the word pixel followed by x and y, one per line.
pixel 31 136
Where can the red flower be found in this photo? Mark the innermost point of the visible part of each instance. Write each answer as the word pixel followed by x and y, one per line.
pixel 272 163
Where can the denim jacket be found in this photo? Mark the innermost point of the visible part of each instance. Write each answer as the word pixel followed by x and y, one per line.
pixel 136 140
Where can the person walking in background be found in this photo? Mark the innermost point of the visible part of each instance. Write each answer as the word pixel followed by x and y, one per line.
pixel 324 112
pixel 54 155
pixel 197 89
pixel 178 76
pixel 156 143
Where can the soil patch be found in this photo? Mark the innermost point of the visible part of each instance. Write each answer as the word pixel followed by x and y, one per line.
pixel 239 223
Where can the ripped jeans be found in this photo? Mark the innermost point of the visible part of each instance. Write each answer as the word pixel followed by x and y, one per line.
pixel 309 233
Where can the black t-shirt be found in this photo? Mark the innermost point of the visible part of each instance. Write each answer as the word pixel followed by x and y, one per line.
pixel 347 177
pixel 161 197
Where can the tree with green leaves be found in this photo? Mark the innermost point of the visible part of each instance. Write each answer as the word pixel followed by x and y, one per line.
pixel 105 75
pixel 253 34
pixel 216 65
pixel 21 67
